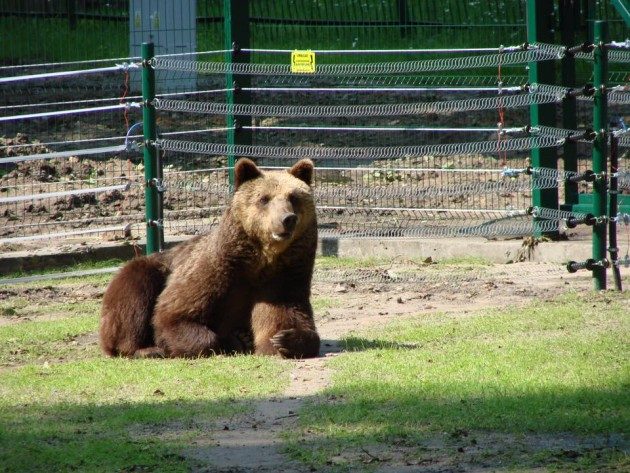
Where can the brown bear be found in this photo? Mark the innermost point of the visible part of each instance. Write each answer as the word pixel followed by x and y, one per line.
pixel 251 274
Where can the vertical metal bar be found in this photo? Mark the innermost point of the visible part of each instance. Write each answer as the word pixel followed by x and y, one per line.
pixel 540 29
pixel 591 15
pixel 153 220
pixel 402 17
pixel 236 37
pixel 72 14
pixel 600 125
pixel 613 210
pixel 568 17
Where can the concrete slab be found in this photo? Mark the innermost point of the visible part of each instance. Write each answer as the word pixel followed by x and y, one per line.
pixel 438 249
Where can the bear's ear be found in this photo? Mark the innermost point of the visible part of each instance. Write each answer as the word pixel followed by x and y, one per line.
pixel 244 171
pixel 303 170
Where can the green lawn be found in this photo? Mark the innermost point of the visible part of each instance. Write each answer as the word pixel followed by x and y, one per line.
pixel 551 369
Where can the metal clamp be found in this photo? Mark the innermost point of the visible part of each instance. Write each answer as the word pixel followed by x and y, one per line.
pixel 590 264
pixel 156 223
pixel 158 183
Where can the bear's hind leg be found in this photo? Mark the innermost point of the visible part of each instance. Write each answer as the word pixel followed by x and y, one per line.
pixel 128 307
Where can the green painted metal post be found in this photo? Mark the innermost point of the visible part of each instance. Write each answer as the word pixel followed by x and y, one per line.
pixel 600 125
pixel 569 11
pixel 623 8
pixel 151 164
pixel 236 38
pixel 540 29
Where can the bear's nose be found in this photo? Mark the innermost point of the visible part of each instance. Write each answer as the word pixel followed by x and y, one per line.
pixel 289 221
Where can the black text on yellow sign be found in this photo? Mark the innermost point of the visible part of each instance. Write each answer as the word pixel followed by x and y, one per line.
pixel 303 62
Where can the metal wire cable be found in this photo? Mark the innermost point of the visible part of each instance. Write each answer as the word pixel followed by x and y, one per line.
pixel 51 75
pixel 400 67
pixel 50 236
pixel 48 195
pixel 541 95
pixel 513 89
pixel 63 154
pixel 506 49
pixel 384 128
pixel 59 113
pixel 365 153
pixel 422 230
pixel 69 63
pixel 555 214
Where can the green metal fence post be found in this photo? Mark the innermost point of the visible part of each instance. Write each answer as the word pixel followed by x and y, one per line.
pixel 600 125
pixel 151 164
pixel 569 11
pixel 540 29
pixel 236 38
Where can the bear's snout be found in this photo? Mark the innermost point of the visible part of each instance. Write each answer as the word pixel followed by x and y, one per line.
pixel 288 223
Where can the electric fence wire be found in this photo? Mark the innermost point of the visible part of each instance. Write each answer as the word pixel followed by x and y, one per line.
pixel 359 153
pixel 555 214
pixel 52 75
pixel 398 191
pixel 505 49
pixel 538 94
pixel 614 96
pixel 535 54
pixel 63 154
pixel 97 61
pixel 623 179
pixel 385 128
pixel 59 113
pixel 366 89
pixel 113 138
pixel 111 99
pixel 48 195
pixel 50 236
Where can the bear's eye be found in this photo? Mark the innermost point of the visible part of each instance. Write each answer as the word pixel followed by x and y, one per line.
pixel 294 199
pixel 264 200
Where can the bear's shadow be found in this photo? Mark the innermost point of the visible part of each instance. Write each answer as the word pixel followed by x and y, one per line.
pixel 351 344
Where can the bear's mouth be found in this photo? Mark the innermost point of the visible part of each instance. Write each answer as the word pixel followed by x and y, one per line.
pixel 281 236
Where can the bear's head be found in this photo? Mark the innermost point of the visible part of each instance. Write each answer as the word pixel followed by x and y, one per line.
pixel 275 208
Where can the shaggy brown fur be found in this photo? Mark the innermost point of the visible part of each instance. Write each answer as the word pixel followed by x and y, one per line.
pixel 252 273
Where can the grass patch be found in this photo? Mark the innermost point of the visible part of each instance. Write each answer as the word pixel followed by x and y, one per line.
pixel 465 261
pixel 556 368
pixel 334 262
pixel 323 303
pixel 46 340
pixel 122 415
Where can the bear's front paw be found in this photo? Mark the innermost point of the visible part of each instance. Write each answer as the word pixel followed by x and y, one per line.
pixel 283 341
pixel 292 343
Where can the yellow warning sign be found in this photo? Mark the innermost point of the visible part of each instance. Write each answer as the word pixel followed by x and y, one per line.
pixel 303 62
